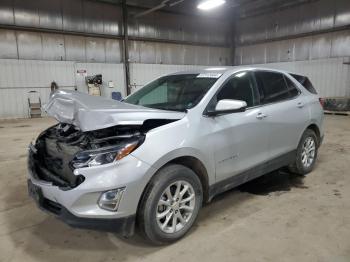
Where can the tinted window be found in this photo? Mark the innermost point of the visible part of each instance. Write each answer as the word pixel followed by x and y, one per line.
pixel 239 87
pixel 305 83
pixel 272 87
pixel 293 90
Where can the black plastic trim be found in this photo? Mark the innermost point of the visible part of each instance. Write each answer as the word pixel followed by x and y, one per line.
pixel 251 174
pixel 123 226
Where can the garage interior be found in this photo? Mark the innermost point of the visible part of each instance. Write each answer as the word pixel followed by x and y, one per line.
pixel 278 217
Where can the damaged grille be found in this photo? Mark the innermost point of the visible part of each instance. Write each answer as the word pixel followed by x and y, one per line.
pixel 57 146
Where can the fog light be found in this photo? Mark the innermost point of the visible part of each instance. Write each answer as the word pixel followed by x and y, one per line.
pixel 110 200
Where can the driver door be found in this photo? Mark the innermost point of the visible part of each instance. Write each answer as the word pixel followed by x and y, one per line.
pixel 240 139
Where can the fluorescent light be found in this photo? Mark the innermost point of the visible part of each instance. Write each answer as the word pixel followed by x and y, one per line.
pixel 210 4
pixel 215 69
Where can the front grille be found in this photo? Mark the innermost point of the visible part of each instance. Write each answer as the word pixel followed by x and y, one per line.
pixel 40 171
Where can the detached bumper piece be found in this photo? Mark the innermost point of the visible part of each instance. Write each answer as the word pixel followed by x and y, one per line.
pixel 124 226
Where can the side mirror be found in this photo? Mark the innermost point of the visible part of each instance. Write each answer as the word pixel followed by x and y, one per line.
pixel 227 106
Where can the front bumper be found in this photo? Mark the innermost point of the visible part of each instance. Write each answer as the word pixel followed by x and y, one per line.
pixel 123 225
pixel 78 206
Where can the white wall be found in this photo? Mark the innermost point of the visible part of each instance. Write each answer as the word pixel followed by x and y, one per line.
pixel 18 77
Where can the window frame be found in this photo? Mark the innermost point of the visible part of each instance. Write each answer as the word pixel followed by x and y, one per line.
pixel 284 77
pixel 255 86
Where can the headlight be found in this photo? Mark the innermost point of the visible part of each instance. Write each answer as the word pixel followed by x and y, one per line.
pixel 105 155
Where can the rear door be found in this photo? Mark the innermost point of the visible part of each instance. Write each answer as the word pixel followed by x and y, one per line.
pixel 285 111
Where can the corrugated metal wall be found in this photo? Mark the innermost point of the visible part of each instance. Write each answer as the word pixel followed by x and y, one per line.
pixel 335 44
pixel 43 41
pixel 316 16
pixel 311 39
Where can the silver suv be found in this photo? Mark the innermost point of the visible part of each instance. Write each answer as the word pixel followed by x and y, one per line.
pixel 153 159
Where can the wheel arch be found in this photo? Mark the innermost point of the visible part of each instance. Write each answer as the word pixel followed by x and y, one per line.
pixel 316 129
pixel 190 161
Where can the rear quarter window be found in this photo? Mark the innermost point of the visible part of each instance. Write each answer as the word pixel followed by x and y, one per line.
pixel 305 82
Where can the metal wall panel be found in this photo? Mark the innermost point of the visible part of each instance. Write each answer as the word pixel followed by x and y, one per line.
pixel 53 47
pixel 335 44
pixel 325 15
pixel 95 49
pixel 93 17
pixel 18 77
pixel 321 46
pixel 50 15
pixel 26 13
pixel 302 48
pixel 72 15
pixel 177 27
pixel 113 51
pixel 148 52
pixel 29 45
pixel 112 19
pixel 6 12
pixel 75 48
pixel 301 19
pixel 341 44
pixel 342 13
pixel 8 44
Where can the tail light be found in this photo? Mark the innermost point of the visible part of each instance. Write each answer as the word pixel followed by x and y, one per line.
pixel 321 102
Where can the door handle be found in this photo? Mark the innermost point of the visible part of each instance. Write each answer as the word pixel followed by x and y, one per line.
pixel 300 105
pixel 260 116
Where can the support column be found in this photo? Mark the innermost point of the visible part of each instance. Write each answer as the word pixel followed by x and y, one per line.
pixel 126 47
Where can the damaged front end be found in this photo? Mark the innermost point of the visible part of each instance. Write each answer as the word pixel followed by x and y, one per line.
pixel 61 149
pixel 92 131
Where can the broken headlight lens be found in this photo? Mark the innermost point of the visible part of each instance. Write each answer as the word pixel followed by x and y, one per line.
pixel 105 155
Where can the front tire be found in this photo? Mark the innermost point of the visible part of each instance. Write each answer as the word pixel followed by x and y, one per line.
pixel 170 204
pixel 306 154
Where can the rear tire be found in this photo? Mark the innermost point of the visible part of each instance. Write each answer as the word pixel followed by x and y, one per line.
pixel 170 204
pixel 306 154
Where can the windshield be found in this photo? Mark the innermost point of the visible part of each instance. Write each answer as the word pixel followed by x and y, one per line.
pixel 174 92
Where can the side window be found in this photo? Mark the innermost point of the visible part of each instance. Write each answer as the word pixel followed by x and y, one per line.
pixel 272 86
pixel 293 90
pixel 240 87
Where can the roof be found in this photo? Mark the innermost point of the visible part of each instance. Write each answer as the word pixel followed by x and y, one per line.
pixel 222 70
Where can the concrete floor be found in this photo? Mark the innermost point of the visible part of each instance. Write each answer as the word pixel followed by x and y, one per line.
pixel 277 218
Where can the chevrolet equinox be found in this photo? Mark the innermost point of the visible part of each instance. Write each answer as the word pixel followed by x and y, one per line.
pixel 154 158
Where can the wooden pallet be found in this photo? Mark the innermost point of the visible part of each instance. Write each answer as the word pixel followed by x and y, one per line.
pixel 338 113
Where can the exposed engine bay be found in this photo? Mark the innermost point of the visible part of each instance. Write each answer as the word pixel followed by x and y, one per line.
pixel 61 149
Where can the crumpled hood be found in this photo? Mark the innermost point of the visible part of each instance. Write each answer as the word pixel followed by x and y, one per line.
pixel 92 113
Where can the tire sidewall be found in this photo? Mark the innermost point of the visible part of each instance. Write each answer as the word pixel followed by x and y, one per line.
pixel 305 170
pixel 167 176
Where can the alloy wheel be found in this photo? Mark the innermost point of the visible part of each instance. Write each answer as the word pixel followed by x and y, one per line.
pixel 175 206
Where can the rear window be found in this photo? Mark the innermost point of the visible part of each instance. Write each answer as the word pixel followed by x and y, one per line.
pixel 305 82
